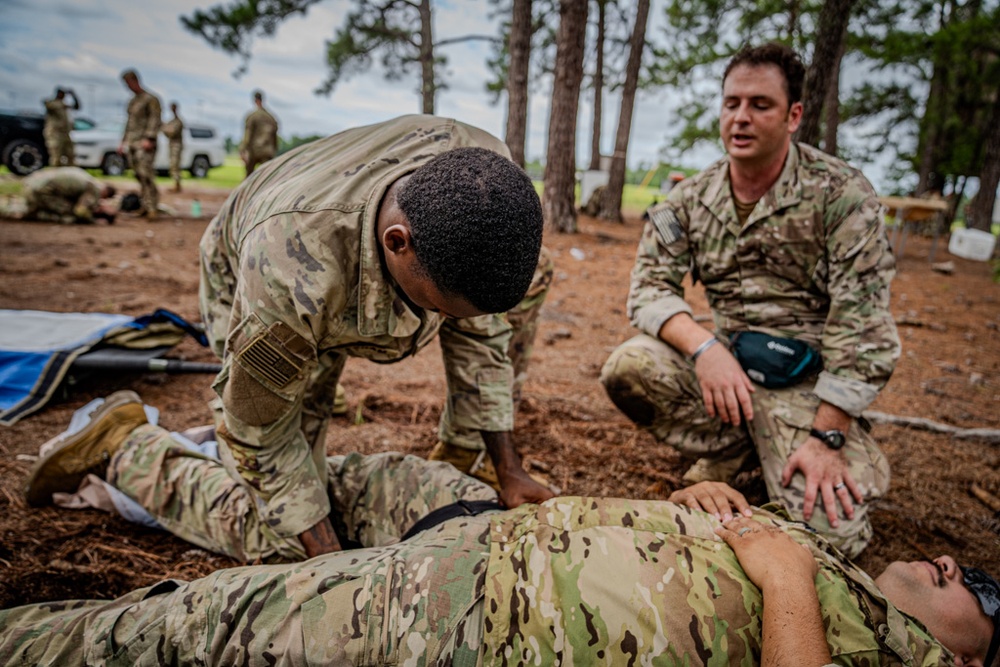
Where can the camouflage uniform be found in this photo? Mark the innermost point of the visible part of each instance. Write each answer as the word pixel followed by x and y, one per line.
pixel 61 194
pixel 811 263
pixel 173 130
pixel 143 123
pixel 260 138
pixel 292 285
pixel 570 581
pixel 56 133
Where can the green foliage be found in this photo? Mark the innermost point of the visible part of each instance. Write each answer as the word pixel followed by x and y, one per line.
pixel 231 28
pixel 295 141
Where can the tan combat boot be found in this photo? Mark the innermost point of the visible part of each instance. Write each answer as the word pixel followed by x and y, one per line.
pixel 67 459
pixel 473 462
pixel 717 469
pixel 339 402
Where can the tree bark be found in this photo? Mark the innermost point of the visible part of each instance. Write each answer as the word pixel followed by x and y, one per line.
pixel 831 107
pixel 517 79
pixel 979 213
pixel 595 137
pixel 558 198
pixel 611 202
pixel 935 112
pixel 832 22
pixel 428 84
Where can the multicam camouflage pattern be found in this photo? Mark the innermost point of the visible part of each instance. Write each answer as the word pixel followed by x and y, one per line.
pixel 173 130
pixel 657 388
pixel 812 263
pixel 373 499
pixel 56 133
pixel 61 194
pixel 260 138
pixel 292 285
pixel 143 123
pixel 571 581
pixel 617 582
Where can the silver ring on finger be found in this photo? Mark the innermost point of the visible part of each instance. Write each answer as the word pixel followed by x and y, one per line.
pixel 743 531
pixel 838 487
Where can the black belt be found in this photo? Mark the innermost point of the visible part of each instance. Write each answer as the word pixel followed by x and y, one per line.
pixel 442 514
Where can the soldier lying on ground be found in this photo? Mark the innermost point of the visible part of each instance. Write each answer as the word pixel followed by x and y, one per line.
pixel 67 195
pixel 569 581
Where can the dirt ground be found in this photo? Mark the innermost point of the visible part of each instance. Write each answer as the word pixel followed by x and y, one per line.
pixel 567 429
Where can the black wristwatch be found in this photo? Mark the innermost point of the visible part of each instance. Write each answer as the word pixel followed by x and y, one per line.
pixel 833 438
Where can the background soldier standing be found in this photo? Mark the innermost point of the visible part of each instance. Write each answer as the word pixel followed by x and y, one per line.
pixel 56 132
pixel 173 130
pixel 260 137
pixel 140 140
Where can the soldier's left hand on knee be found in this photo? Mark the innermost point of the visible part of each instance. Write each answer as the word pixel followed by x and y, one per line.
pixel 827 476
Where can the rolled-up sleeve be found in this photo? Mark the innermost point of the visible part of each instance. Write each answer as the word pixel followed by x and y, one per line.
pixel 662 260
pixel 479 373
pixel 860 345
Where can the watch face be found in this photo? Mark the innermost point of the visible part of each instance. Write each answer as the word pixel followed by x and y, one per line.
pixel 835 439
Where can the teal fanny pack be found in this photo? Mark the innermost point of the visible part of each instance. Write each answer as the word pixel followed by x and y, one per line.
pixel 772 362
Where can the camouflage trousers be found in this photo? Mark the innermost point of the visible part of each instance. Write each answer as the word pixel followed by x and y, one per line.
pixel 175 161
pixel 523 319
pixel 656 387
pixel 252 160
pixel 413 602
pixel 373 499
pixel 61 150
pixel 142 165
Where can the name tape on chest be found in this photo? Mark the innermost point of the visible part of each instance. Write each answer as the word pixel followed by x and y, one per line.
pixel 666 222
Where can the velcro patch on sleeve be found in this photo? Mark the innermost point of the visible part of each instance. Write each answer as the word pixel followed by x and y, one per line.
pixel 268 360
pixel 666 223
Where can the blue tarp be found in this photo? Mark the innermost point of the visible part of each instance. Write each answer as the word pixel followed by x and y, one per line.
pixel 38 347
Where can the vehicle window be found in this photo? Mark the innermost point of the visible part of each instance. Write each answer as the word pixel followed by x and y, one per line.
pixel 82 124
pixel 201 133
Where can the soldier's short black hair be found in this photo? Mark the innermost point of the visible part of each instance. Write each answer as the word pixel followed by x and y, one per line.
pixel 130 74
pixel 476 224
pixel 783 57
pixel 258 95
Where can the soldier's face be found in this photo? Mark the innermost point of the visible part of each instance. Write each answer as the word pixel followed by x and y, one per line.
pixel 756 121
pixel 934 593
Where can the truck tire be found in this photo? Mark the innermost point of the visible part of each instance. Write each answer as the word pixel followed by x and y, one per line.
pixel 23 156
pixel 200 166
pixel 113 164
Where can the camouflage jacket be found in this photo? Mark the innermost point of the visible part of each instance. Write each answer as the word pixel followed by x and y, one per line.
pixel 293 283
pixel 143 119
pixel 56 118
pixel 173 130
pixel 574 581
pixel 812 262
pixel 74 189
pixel 615 582
pixel 260 136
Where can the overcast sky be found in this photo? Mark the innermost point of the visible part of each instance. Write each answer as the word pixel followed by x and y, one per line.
pixel 85 44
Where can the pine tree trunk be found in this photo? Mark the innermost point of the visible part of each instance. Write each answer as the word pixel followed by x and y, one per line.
pixel 595 137
pixel 428 84
pixel 831 107
pixel 517 79
pixel 558 198
pixel 611 202
pixel 980 210
pixel 832 24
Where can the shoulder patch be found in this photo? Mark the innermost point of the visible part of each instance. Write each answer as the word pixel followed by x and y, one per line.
pixel 266 358
pixel 666 222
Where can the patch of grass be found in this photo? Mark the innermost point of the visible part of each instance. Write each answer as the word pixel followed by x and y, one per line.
pixel 225 177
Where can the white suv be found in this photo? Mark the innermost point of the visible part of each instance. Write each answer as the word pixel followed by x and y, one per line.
pixel 96 147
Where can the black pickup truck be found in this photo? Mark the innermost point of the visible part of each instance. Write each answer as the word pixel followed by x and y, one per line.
pixel 22 146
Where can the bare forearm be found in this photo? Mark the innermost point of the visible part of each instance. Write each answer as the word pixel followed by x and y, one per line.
pixel 793 633
pixel 684 334
pixel 320 539
pixel 831 417
pixel 500 447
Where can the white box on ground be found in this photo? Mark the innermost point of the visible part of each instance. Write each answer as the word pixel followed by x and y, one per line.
pixel 972 244
pixel 590 180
